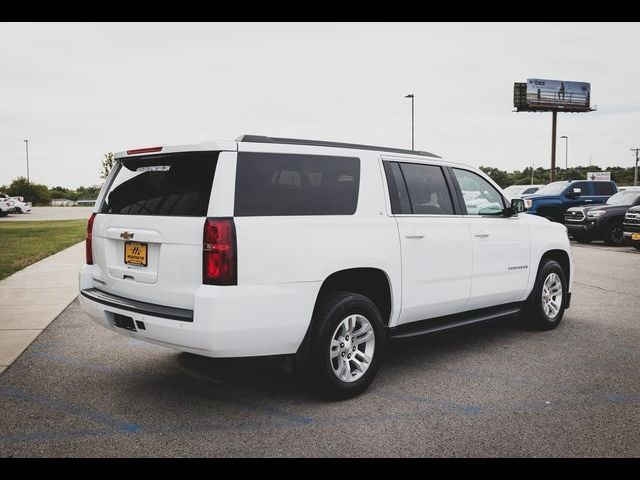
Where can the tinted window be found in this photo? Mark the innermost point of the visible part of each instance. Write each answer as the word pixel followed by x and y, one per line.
pixel 529 191
pixel 397 189
pixel 428 192
pixel 177 184
pixel 584 186
pixel 603 188
pixel 480 197
pixel 270 184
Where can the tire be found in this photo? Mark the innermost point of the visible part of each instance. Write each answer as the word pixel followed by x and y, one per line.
pixel 613 235
pixel 636 245
pixel 315 360
pixel 535 313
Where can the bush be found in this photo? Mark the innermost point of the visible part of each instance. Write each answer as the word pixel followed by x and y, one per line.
pixel 32 192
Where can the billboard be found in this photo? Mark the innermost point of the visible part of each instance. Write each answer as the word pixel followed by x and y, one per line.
pixel 558 95
pixel 599 176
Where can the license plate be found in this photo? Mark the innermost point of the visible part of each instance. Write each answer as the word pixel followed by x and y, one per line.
pixel 135 253
pixel 635 236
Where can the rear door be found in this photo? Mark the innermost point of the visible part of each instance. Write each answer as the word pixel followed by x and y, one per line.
pixel 602 191
pixel 147 236
pixel 434 239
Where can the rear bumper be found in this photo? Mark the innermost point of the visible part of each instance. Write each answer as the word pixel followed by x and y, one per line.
pixel 229 321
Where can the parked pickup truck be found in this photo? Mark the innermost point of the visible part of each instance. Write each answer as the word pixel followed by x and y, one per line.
pixel 6 205
pixel 601 222
pixel 553 200
pixel 631 227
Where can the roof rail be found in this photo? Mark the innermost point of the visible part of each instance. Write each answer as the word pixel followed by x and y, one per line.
pixel 322 143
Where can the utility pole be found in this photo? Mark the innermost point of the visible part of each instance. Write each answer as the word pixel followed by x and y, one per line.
pixel 411 96
pixel 26 144
pixel 635 173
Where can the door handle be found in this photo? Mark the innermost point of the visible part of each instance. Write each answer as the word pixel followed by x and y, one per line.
pixel 481 234
pixel 588 200
pixel 417 235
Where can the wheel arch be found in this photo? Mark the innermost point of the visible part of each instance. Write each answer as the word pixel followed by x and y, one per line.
pixel 560 256
pixel 373 283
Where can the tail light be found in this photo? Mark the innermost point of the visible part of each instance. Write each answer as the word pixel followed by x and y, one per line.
pixel 89 249
pixel 219 260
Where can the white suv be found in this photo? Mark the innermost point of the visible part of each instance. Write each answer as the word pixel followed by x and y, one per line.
pixel 321 251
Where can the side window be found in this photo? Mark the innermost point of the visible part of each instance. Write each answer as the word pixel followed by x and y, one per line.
pixel 278 184
pixel 603 188
pixel 529 191
pixel 397 188
pixel 584 186
pixel 480 197
pixel 427 188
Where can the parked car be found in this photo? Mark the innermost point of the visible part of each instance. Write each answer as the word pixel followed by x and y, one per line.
pixel 553 200
pixel 6 205
pixel 631 227
pixel 20 206
pixel 517 191
pixel 314 250
pixel 601 222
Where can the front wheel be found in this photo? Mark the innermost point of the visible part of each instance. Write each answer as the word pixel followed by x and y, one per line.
pixel 546 304
pixel 342 353
pixel 613 235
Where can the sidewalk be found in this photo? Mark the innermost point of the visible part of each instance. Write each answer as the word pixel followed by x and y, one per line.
pixel 31 298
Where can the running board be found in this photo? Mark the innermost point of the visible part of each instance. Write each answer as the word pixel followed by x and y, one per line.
pixel 447 322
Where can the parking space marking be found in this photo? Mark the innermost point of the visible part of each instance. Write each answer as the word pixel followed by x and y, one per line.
pixel 66 407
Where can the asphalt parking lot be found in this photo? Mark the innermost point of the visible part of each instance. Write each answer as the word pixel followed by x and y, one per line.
pixel 51 213
pixel 488 390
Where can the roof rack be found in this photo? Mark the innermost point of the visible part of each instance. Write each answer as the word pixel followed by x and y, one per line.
pixel 322 143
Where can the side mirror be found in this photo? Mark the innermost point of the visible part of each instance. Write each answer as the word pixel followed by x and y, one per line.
pixel 518 205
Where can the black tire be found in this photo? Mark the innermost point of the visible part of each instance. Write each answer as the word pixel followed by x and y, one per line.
pixel 636 245
pixel 613 235
pixel 534 312
pixel 313 361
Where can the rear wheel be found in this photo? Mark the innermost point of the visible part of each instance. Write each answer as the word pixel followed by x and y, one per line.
pixel 342 353
pixel 613 235
pixel 545 307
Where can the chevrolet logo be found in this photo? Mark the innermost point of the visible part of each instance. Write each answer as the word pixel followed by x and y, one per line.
pixel 126 235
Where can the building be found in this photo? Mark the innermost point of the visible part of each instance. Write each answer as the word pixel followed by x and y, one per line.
pixel 62 202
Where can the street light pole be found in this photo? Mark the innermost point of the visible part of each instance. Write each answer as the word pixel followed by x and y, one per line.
pixel 411 96
pixel 566 154
pixel 26 144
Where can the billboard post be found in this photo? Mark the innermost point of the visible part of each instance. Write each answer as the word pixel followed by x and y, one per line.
pixel 539 95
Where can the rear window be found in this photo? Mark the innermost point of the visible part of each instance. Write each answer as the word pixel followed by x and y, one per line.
pixel 603 188
pixel 275 184
pixel 177 184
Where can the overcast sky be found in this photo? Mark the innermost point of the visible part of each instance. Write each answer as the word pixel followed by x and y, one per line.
pixel 77 91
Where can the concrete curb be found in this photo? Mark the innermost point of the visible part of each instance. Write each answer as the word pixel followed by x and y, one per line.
pixel 31 298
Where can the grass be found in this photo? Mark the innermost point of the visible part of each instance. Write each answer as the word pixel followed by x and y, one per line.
pixel 24 243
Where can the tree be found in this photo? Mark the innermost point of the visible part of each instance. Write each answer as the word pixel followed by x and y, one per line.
pixel 32 192
pixel 106 165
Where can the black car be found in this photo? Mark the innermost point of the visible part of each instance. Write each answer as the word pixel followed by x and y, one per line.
pixel 601 222
pixel 631 226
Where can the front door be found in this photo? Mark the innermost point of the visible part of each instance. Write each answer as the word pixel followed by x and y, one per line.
pixel 501 245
